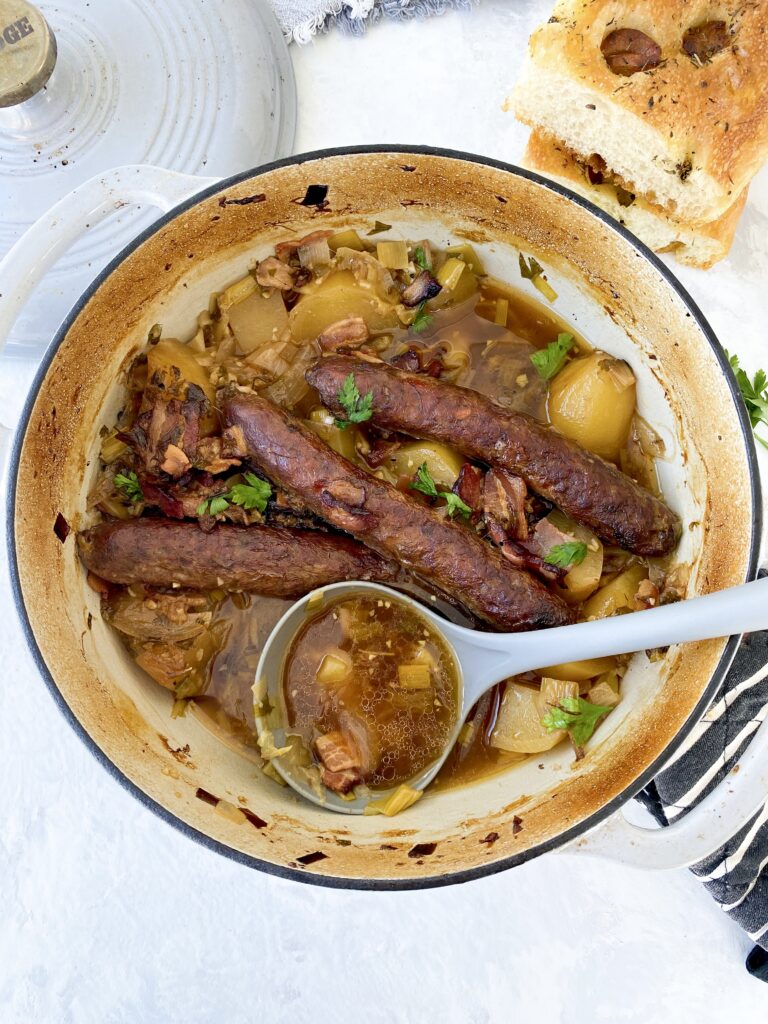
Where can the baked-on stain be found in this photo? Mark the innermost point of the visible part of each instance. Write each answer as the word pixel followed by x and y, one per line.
pixel 491 838
pixel 422 850
pixel 311 858
pixel 209 798
pixel 314 196
pixel 206 797
pixel 61 527
pixel 245 201
pixel 517 825
pixel 254 819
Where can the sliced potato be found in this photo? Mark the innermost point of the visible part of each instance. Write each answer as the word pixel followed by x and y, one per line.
pixel 582 579
pixel 344 442
pixel 592 401
pixel 335 298
pixel 257 321
pixel 616 596
pixel 519 728
pixel 443 463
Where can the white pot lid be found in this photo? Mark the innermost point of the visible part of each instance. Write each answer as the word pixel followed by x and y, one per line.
pixel 189 85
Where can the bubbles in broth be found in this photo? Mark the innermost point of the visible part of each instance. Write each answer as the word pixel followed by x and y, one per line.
pixel 371 688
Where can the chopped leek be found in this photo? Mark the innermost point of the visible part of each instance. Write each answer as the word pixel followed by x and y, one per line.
pixel 334 668
pixel 403 797
pixel 450 273
pixel 237 292
pixel 393 255
pixel 346 240
pixel 414 676
pixel 502 311
pixel 467 253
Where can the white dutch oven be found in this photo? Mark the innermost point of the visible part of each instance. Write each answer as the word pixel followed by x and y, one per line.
pixel 609 286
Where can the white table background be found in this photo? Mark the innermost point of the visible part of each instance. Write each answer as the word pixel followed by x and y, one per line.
pixel 109 914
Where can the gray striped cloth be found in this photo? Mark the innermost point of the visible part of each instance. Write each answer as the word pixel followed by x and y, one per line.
pixel 301 19
pixel 737 874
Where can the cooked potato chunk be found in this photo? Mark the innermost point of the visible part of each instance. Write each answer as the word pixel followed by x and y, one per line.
pixel 443 463
pixel 335 298
pixel 518 727
pixel 582 579
pixel 592 401
pixel 616 596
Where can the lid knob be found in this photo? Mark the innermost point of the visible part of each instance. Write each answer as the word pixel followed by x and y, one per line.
pixel 27 51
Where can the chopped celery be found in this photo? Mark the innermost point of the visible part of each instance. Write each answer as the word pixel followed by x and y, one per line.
pixel 404 796
pixel 112 449
pixel 544 287
pixel 414 676
pixel 237 292
pixel 393 255
pixel 468 254
pixel 348 239
pixel 450 273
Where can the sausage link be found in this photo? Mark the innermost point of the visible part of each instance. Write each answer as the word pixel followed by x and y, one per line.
pixel 589 489
pixel 450 557
pixel 272 560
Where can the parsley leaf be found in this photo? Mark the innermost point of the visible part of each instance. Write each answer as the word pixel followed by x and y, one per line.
pixel 577 715
pixel 420 258
pixel 455 504
pixel 255 493
pixel 426 485
pixel 129 484
pixel 357 409
pixel 422 320
pixel 424 482
pixel 755 395
pixel 530 270
pixel 573 552
pixel 550 360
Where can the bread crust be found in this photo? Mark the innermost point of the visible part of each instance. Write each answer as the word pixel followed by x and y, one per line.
pixel 709 119
pixel 695 245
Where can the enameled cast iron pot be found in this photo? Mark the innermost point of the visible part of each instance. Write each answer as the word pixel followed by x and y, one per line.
pixel 609 286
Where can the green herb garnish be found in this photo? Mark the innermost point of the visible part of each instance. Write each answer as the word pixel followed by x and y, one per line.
pixel 577 715
pixel 550 360
pixel 573 552
pixel 378 227
pixel 420 258
pixel 254 493
pixel 129 484
pixel 755 395
pixel 422 320
pixel 426 485
pixel 530 270
pixel 357 409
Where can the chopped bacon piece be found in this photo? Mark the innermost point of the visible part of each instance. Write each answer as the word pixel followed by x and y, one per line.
pixel 504 502
pixel 521 557
pixel 274 273
pixel 211 456
pixel 419 360
pixel 341 782
pixel 408 360
pixel 175 462
pixel 349 333
pixel 545 537
pixel 336 752
pixel 167 422
pixel 469 487
pixel 381 450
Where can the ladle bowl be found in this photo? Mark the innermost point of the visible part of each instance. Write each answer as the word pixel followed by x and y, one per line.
pixel 484 659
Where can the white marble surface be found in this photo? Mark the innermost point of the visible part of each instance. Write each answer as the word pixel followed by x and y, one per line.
pixel 108 914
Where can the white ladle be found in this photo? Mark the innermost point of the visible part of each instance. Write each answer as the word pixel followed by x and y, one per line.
pixel 484 659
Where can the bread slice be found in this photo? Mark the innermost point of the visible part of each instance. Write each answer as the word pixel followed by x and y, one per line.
pixel 698 246
pixel 687 130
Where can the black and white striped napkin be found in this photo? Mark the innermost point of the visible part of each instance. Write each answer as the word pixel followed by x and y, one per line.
pixel 737 874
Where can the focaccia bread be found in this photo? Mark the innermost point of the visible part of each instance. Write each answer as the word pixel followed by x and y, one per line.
pixel 672 94
pixel 698 246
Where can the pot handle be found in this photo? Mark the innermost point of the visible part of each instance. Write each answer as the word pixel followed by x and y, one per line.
pixel 40 246
pixel 711 823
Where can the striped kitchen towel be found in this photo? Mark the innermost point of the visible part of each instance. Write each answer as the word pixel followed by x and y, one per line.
pixel 302 19
pixel 737 874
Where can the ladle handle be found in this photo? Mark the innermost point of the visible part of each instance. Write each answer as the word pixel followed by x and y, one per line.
pixel 741 609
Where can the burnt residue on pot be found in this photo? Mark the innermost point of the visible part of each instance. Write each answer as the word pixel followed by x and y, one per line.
pixel 315 196
pixel 260 197
pixel 61 527
pixel 422 850
pixel 311 858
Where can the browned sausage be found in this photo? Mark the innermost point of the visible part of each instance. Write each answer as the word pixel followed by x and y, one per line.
pixel 272 560
pixel 450 557
pixel 590 490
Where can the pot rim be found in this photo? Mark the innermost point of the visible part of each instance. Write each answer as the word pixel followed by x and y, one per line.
pixel 431 881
